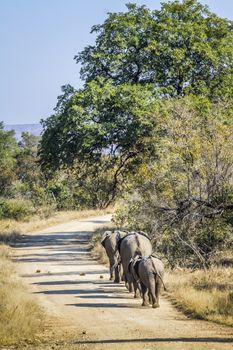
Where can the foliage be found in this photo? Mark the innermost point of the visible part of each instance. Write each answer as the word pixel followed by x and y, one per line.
pixel 139 59
pixel 103 128
pixel 182 48
pixel 15 209
pixel 62 194
pixel 152 124
pixel 27 167
pixel 22 182
pixel 184 198
pixel 8 151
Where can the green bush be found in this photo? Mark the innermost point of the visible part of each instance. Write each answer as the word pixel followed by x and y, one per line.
pixel 62 195
pixel 17 209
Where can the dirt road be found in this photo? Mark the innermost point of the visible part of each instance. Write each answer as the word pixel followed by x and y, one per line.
pixel 87 311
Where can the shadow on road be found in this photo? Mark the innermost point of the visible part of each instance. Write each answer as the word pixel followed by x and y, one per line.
pixel 106 305
pixel 67 249
pixel 158 340
pixel 54 239
pixel 57 249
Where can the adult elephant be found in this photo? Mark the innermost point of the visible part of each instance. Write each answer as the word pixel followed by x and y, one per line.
pixel 133 244
pixel 149 271
pixel 110 241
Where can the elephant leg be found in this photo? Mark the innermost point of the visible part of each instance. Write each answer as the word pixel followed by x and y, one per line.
pixel 117 275
pixel 144 290
pixel 126 282
pixel 122 275
pixel 152 291
pixel 158 285
pixel 137 291
pixel 130 282
pixel 111 272
pixel 149 297
pixel 130 286
pixel 120 272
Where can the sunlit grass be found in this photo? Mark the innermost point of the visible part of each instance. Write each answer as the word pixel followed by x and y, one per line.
pixel 20 317
pixel 207 295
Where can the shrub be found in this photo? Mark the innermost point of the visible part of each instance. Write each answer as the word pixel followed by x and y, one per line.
pixel 62 194
pixel 17 209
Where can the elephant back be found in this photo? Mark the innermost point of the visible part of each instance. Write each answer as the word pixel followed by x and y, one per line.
pixel 144 247
pixel 157 265
pixel 132 245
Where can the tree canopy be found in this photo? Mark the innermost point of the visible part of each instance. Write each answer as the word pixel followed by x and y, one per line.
pixel 184 198
pixel 103 126
pixel 182 48
pixel 101 119
pixel 140 59
pixel 8 152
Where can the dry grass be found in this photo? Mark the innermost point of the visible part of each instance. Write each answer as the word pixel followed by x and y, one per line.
pixel 207 295
pixel 20 316
pixel 11 229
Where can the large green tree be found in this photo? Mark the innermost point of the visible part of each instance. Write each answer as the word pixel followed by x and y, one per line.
pixel 103 127
pixel 140 58
pixel 184 198
pixel 28 170
pixel 182 48
pixel 8 152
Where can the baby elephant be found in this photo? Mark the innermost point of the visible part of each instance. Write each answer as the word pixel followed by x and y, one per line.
pixel 149 272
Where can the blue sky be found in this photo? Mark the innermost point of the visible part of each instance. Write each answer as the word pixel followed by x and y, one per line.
pixel 39 39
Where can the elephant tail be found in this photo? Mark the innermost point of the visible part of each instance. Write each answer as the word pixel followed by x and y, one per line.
pixel 158 274
pixel 138 250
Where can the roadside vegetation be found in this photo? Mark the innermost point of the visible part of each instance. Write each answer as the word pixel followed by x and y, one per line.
pixel 152 127
pixel 203 294
pixel 151 130
pixel 20 316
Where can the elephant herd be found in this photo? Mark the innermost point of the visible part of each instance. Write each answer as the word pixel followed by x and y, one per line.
pixel 142 271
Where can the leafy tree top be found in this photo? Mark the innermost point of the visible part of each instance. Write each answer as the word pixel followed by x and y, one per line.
pixel 182 48
pixel 100 119
pixel 8 151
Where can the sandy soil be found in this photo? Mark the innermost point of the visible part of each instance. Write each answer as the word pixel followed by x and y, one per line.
pixel 86 311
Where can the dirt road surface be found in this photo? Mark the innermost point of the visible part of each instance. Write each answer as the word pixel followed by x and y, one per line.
pixel 87 311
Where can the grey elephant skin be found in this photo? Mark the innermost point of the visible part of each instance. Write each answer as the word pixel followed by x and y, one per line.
pixel 130 246
pixel 149 271
pixel 110 243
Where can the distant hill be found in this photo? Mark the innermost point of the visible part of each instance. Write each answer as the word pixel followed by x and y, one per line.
pixel 34 129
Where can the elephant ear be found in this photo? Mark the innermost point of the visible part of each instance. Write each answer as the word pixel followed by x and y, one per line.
pixel 105 236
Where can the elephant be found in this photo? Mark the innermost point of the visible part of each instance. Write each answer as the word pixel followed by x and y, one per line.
pixel 149 271
pixel 110 241
pixel 133 244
